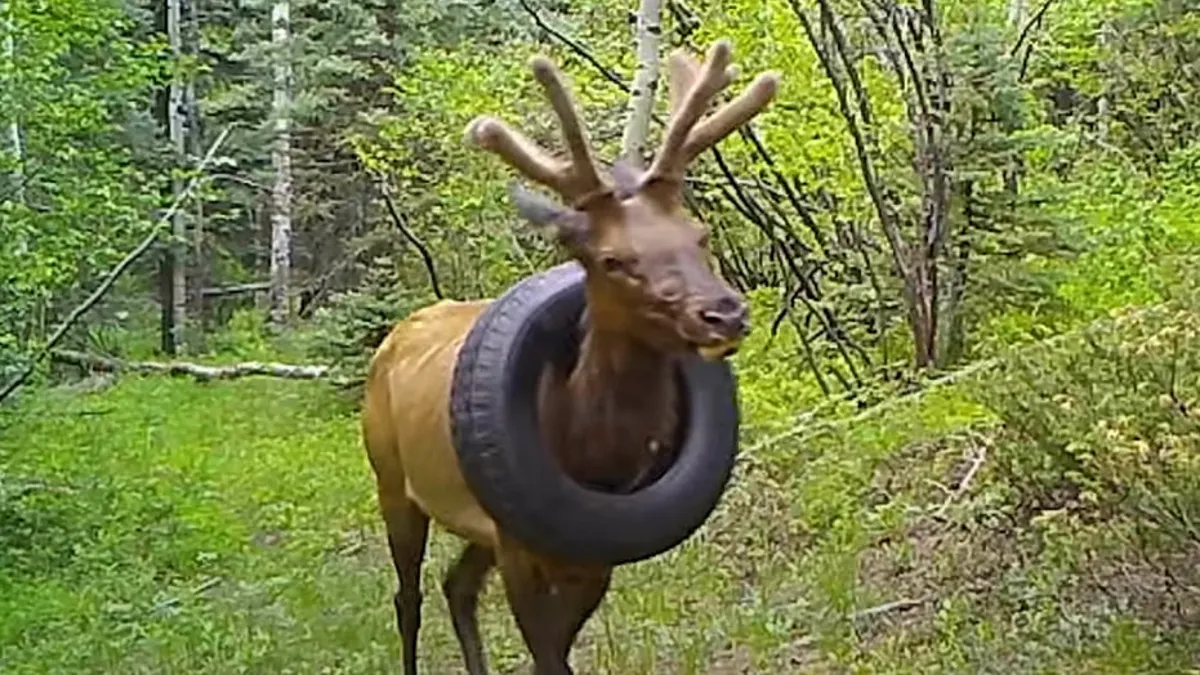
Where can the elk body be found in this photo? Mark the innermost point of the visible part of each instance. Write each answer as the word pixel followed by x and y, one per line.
pixel 652 294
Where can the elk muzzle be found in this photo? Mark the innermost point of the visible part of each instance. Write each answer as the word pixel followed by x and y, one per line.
pixel 723 321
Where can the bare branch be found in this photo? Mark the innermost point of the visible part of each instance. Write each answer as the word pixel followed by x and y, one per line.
pixel 236 289
pixel 965 483
pixel 887 217
pixel 426 256
pixel 1034 21
pixel 580 51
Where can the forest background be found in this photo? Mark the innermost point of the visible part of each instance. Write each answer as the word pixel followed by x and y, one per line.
pixel 968 229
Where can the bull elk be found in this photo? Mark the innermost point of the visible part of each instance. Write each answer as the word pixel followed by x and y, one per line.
pixel 608 415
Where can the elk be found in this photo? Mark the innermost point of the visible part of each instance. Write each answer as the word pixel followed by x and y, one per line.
pixel 652 294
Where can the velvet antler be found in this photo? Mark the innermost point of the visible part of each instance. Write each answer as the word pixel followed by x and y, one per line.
pixel 577 179
pixel 692 90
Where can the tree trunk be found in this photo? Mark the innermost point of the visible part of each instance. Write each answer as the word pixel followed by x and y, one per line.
pixel 645 81
pixel 922 311
pixel 14 125
pixel 952 332
pixel 281 194
pixel 172 272
pixel 1016 13
pixel 198 271
pixel 177 118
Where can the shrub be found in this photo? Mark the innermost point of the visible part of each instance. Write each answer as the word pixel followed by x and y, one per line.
pixel 1107 421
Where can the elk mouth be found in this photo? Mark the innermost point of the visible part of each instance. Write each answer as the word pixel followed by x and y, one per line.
pixel 716 351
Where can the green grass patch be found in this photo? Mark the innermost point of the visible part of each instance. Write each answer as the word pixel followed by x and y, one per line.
pixel 161 525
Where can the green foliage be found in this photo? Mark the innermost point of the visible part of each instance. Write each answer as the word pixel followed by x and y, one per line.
pixel 245 336
pixel 74 198
pixel 455 195
pixel 1131 232
pixel 347 331
pixel 343 57
pixel 141 494
pixel 1109 420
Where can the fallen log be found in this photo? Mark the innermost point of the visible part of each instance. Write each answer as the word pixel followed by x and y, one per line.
pixel 222 291
pixel 198 371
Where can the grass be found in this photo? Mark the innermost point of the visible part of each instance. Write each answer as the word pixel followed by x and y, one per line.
pixel 155 525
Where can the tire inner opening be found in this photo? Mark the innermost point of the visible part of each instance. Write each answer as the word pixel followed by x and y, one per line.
pixel 562 359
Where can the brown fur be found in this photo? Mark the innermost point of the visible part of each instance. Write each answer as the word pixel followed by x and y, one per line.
pixel 611 421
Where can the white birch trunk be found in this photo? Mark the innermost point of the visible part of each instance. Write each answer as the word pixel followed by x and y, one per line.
pixel 281 194
pixel 14 126
pixel 645 81
pixel 1016 13
pixel 175 122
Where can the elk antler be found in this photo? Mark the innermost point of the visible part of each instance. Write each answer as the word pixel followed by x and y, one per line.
pixel 576 180
pixel 692 90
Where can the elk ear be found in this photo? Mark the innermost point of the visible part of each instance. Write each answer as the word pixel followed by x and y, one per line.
pixel 568 226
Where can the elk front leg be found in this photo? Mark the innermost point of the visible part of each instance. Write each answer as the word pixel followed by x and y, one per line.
pixel 461 586
pixel 407 530
pixel 550 606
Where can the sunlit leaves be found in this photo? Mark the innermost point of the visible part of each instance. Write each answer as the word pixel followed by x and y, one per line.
pixel 75 78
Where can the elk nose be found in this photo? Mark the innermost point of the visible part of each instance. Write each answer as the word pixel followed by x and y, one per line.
pixel 728 315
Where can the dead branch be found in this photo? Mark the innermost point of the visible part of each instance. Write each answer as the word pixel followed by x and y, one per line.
pixel 901 605
pixel 579 49
pixel 117 271
pixel 237 289
pixel 198 371
pixel 887 217
pixel 893 606
pixel 793 198
pixel 1033 22
pixel 965 483
pixel 426 256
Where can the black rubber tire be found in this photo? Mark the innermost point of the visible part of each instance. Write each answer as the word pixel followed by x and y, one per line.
pixel 495 431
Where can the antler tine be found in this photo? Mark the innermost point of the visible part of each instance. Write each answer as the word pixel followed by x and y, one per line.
pixel 585 177
pixel 516 150
pixel 712 78
pixel 683 71
pixel 730 116
pixel 577 180
pixel 692 90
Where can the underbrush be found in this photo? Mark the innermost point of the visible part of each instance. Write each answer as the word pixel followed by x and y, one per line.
pixel 1065 538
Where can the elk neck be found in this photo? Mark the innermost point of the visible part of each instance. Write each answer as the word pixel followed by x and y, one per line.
pixel 615 423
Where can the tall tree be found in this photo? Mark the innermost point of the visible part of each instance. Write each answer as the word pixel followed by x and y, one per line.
pixel 14 125
pixel 173 341
pixel 645 81
pixel 281 159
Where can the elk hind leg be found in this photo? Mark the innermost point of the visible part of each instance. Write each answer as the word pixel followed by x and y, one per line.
pixel 550 609
pixel 407 531
pixel 461 586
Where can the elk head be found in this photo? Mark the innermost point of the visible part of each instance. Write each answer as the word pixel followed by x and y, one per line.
pixel 649 270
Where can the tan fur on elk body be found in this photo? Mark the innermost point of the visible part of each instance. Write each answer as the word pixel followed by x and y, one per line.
pixel 652 294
